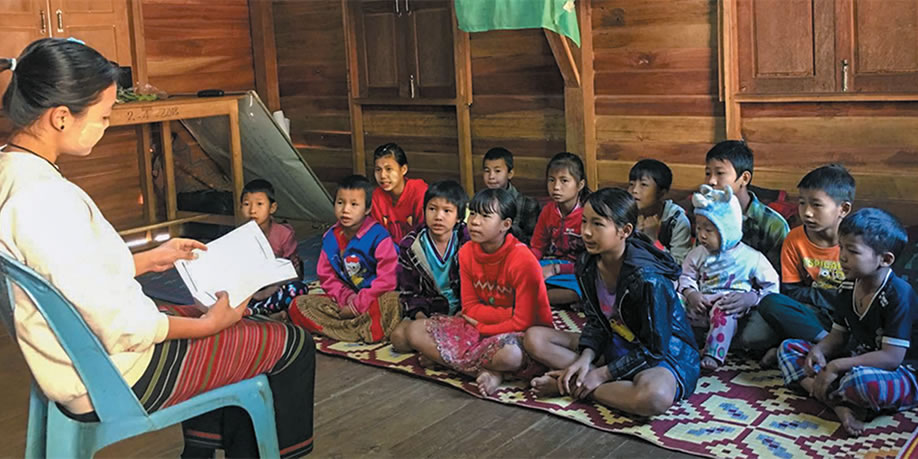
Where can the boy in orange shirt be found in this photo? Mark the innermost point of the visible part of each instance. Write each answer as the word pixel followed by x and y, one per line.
pixel 811 273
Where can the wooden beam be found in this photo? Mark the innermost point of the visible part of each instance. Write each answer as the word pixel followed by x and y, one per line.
pixel 462 56
pixel 580 100
pixel 353 89
pixel 264 52
pixel 138 42
pixel 561 49
pixel 236 165
pixel 165 130
pixel 730 64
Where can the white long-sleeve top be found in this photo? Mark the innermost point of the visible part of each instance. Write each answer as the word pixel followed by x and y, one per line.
pixel 52 226
pixel 740 268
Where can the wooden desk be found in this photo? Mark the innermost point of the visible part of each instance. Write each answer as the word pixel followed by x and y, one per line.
pixel 164 112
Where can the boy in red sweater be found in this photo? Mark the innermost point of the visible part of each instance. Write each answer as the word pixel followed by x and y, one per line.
pixel 503 294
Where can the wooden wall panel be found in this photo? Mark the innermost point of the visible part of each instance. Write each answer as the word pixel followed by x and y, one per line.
pixel 198 44
pixel 312 78
pixel 656 86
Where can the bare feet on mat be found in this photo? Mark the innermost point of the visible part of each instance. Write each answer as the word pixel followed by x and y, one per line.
pixel 488 381
pixel 770 359
pixel 426 362
pixel 545 386
pixel 851 423
pixel 709 363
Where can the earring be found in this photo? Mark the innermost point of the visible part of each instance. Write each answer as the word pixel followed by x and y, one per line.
pixel 62 127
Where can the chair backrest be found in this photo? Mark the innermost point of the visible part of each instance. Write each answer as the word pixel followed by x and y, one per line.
pixel 110 395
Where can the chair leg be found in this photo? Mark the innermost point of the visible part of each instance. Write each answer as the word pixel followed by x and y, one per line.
pixel 260 406
pixel 71 438
pixel 38 424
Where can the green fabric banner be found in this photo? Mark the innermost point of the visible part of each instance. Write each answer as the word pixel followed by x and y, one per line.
pixel 483 15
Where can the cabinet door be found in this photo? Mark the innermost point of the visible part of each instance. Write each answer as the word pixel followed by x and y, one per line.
pixel 879 38
pixel 786 46
pixel 380 49
pixel 21 23
pixel 102 24
pixel 430 39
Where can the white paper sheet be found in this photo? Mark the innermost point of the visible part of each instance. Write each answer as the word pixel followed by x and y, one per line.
pixel 239 263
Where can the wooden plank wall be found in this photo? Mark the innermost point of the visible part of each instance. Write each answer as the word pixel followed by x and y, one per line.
pixel 517 101
pixel 656 86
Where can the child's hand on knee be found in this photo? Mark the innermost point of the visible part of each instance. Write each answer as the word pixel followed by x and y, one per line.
pixel 815 362
pixel 574 375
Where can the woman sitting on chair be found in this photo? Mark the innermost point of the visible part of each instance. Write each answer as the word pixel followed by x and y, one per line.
pixel 59 100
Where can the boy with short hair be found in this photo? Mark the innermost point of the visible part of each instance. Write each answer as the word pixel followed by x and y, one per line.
pixel 867 360
pixel 730 163
pixel 356 269
pixel 428 259
pixel 497 171
pixel 811 273
pixel 258 204
pixel 663 220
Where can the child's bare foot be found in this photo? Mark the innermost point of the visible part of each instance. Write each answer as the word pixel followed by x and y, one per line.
pixel 770 359
pixel 849 421
pixel 545 386
pixel 488 381
pixel 426 362
pixel 709 363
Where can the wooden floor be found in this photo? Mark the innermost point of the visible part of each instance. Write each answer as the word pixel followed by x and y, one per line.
pixel 365 411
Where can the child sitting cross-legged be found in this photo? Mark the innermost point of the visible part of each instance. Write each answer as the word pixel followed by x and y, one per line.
pixel 722 277
pixel 428 259
pixel 357 271
pixel 502 295
pixel 258 204
pixel 866 364
pixel 636 352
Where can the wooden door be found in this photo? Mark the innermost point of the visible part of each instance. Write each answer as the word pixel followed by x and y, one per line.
pixel 102 24
pixel 380 49
pixel 429 29
pixel 879 40
pixel 786 46
pixel 21 23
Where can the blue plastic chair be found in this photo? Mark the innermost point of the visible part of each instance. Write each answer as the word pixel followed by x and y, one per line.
pixel 120 413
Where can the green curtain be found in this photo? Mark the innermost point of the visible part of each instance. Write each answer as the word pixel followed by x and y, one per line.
pixel 482 15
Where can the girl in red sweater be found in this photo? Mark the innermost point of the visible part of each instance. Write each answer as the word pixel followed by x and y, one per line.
pixel 398 203
pixel 502 294
pixel 556 241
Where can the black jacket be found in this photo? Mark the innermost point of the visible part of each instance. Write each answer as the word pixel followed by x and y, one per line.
pixel 649 306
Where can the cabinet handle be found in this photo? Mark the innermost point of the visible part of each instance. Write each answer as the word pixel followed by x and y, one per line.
pixel 412 86
pixel 844 64
pixel 398 12
pixel 60 20
pixel 44 23
pixel 407 7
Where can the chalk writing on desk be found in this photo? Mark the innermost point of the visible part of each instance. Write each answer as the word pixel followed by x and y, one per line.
pixel 153 114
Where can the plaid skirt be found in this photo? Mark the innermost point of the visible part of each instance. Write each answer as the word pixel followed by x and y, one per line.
pixel 864 387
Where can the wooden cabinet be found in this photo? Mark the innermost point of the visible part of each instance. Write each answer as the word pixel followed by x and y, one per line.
pixel 827 46
pixel 21 22
pixel 404 49
pixel 102 24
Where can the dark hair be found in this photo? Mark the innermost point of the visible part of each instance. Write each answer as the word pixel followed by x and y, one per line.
pixel 54 72
pixel 497 201
pixel 260 186
pixel 878 228
pixel 615 204
pixel 393 150
pixel 574 165
pixel 661 174
pixel 358 182
pixel 833 179
pixel 499 153
pixel 452 192
pixel 735 152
